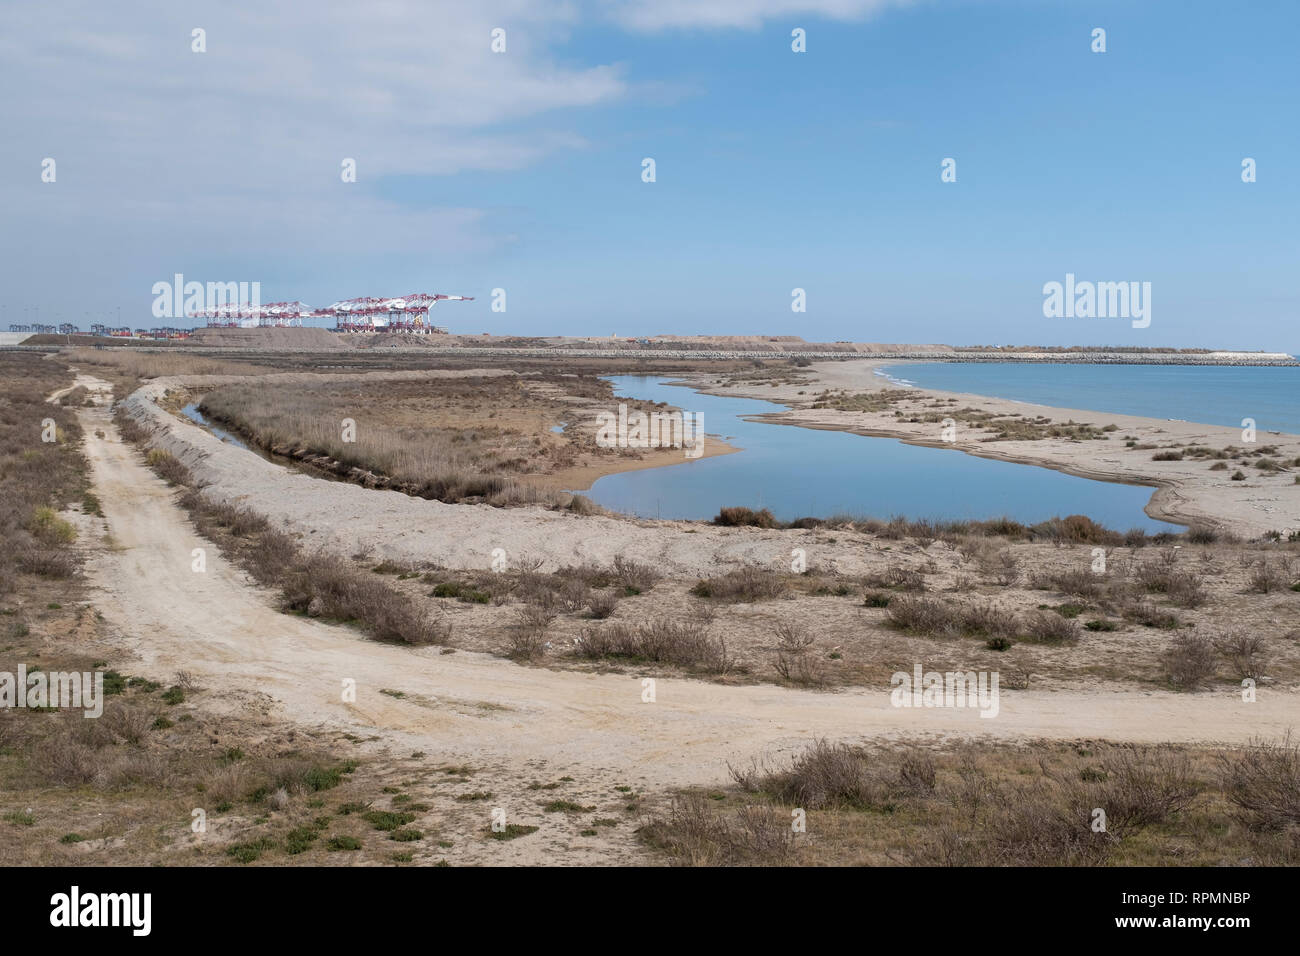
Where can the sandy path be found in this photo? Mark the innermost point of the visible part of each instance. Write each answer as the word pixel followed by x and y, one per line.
pixel 227 633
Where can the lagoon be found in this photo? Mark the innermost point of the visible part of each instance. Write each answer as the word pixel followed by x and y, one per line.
pixel 798 472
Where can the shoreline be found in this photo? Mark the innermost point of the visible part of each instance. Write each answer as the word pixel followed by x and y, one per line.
pixel 1185 492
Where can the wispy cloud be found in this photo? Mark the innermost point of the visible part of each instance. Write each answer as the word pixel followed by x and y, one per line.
pixel 243 143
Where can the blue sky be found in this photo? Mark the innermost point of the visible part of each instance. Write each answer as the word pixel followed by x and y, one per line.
pixel 775 170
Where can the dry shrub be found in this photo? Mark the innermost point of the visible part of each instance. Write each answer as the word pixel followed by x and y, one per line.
pixel 127 722
pixel 168 467
pixel 1144 786
pixel 1189 661
pixel 1183 588
pixel 684 643
pixel 46 562
pixel 1263 781
pixel 136 769
pixel 127 427
pixel 793 661
pixel 634 576
pixel 903 579
pixel 916 771
pixel 582 505
pixel 1080 529
pixel 209 515
pixel 934 618
pixel 526 636
pixel 1149 615
pixel 602 604
pixel 825 775
pixel 1002 567
pixel 1266 578
pixel 1035 828
pixel 1050 628
pixel 700 835
pixel 921 615
pixel 1246 652
pixel 1186 590
pixel 536 590
pixel 227 783
pixel 745 517
pixel 272 558
pixel 1051 822
pixel 67 761
pixel 987 620
pixel 573 596
pixel 742 586
pixel 1080 582
pixel 322 585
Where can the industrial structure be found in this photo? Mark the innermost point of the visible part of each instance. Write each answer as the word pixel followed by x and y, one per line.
pixel 249 316
pixel 408 313
pixel 123 332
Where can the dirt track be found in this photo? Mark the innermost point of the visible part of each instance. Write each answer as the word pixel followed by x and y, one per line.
pixel 226 632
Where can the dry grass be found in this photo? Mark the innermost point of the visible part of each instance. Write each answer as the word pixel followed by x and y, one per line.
pixel 37 478
pixel 686 644
pixel 743 585
pixel 697 834
pixel 161 363
pixel 469 438
pixel 1041 804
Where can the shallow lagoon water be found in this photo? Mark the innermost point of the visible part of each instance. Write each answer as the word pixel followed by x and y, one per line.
pixel 798 472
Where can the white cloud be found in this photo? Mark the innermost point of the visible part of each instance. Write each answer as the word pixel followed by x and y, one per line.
pixel 240 147
pixel 234 154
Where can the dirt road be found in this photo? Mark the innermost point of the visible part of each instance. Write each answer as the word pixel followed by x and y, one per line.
pixel 225 631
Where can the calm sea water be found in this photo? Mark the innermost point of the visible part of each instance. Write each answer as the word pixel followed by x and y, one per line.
pixel 799 472
pixel 1214 395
